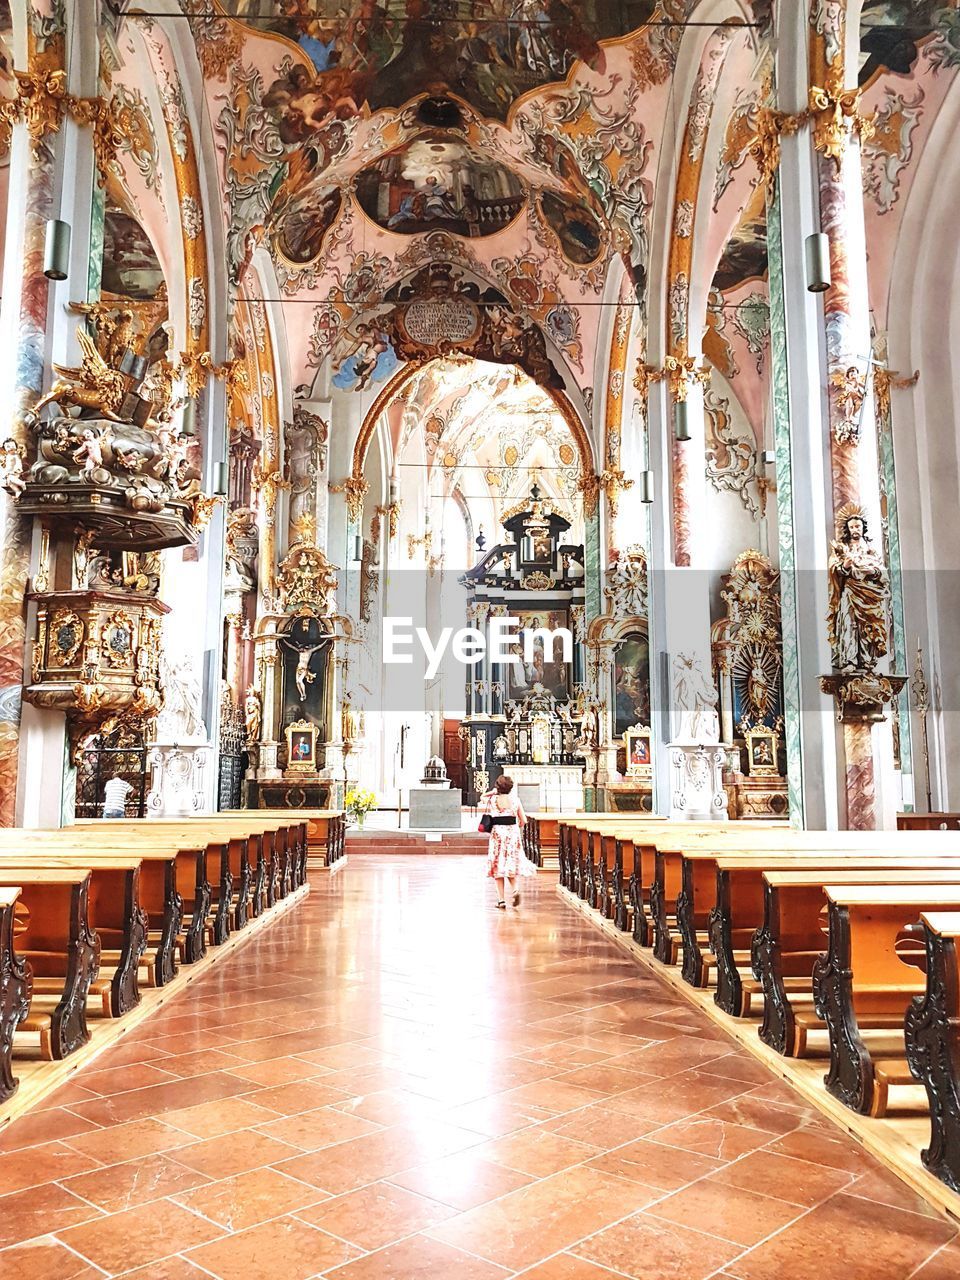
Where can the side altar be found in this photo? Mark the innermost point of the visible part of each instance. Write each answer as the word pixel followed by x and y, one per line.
pixel 299 722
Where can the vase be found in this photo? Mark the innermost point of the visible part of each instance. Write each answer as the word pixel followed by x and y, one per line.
pixel 360 818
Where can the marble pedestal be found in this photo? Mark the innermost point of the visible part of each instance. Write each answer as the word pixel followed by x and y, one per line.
pixel 434 809
pixel 696 782
pixel 177 780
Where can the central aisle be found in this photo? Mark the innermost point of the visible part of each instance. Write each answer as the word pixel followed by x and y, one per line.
pixel 398 1082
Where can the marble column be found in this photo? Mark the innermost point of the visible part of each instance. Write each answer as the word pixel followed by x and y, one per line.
pixel 679 587
pixel 812 73
pixel 53 174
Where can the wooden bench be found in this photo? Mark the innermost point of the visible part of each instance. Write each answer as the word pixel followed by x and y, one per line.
pixel 325 831
pixel 256 861
pixel 576 853
pixel 115 915
pixel 184 926
pixel 16 988
pixel 725 909
pixel 54 936
pixel 792 937
pixel 932 1034
pixel 928 821
pixel 657 877
pixel 862 982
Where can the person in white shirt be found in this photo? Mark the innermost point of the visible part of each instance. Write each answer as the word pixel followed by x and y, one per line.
pixel 114 797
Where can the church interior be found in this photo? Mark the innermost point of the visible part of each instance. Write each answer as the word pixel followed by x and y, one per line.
pixel 479 778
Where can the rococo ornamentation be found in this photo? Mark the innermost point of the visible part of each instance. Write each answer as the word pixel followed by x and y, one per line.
pixel 835 112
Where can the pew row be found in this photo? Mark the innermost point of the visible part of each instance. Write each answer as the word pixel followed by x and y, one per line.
pixel 325 831
pixel 97 920
pixel 772 907
pixel 928 821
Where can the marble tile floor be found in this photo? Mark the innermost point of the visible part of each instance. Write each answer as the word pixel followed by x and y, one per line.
pixel 398 1081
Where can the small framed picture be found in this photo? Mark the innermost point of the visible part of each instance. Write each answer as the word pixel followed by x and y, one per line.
pixel 302 747
pixel 638 752
pixel 762 744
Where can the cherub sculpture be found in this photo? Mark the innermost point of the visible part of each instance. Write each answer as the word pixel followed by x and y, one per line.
pixel 89 452
pixel 11 468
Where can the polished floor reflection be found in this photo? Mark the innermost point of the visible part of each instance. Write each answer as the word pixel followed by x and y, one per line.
pixel 398 1081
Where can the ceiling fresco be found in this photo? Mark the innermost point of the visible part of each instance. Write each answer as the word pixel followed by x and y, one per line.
pixel 352 201
pixel 486 431
pixel 381 53
pixel 131 268
pixel 438 182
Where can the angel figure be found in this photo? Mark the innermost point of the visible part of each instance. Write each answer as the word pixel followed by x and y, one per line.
pixel 89 452
pixel 11 468
pixel 94 385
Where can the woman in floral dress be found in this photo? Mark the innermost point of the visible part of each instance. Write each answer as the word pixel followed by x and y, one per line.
pixel 506 861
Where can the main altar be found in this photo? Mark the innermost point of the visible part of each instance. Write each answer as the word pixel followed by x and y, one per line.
pixel 528 717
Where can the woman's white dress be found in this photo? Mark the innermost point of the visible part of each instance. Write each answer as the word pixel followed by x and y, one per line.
pixel 506 857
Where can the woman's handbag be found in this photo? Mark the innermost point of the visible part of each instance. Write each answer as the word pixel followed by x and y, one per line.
pixel 486 824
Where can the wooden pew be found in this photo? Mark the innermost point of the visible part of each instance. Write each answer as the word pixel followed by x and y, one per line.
pixel 115 915
pixel 325 831
pixel 276 847
pixel 932 1033
pixel 184 925
pixel 728 905
pixel 532 848
pixel 576 854
pixel 928 821
pixel 57 942
pixel 16 988
pixel 150 902
pixel 787 945
pixel 667 894
pixel 862 983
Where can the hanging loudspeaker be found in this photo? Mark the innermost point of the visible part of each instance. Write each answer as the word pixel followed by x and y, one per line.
pixel 56 250
pixel 817 256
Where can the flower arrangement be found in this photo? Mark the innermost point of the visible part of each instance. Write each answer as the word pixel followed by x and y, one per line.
pixel 358 804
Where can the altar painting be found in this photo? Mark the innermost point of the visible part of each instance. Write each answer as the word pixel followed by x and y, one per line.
pixel 631 684
pixel 546 670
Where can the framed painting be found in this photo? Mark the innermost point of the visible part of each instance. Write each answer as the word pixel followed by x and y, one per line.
pixel 639 752
pixel 546 669
pixel 762 744
pixel 301 747
pixel 631 683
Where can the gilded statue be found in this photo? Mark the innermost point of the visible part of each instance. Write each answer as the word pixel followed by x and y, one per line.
pixel 858 595
pixel 252 714
pixel 351 720
pixel 94 385
pixel 110 441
